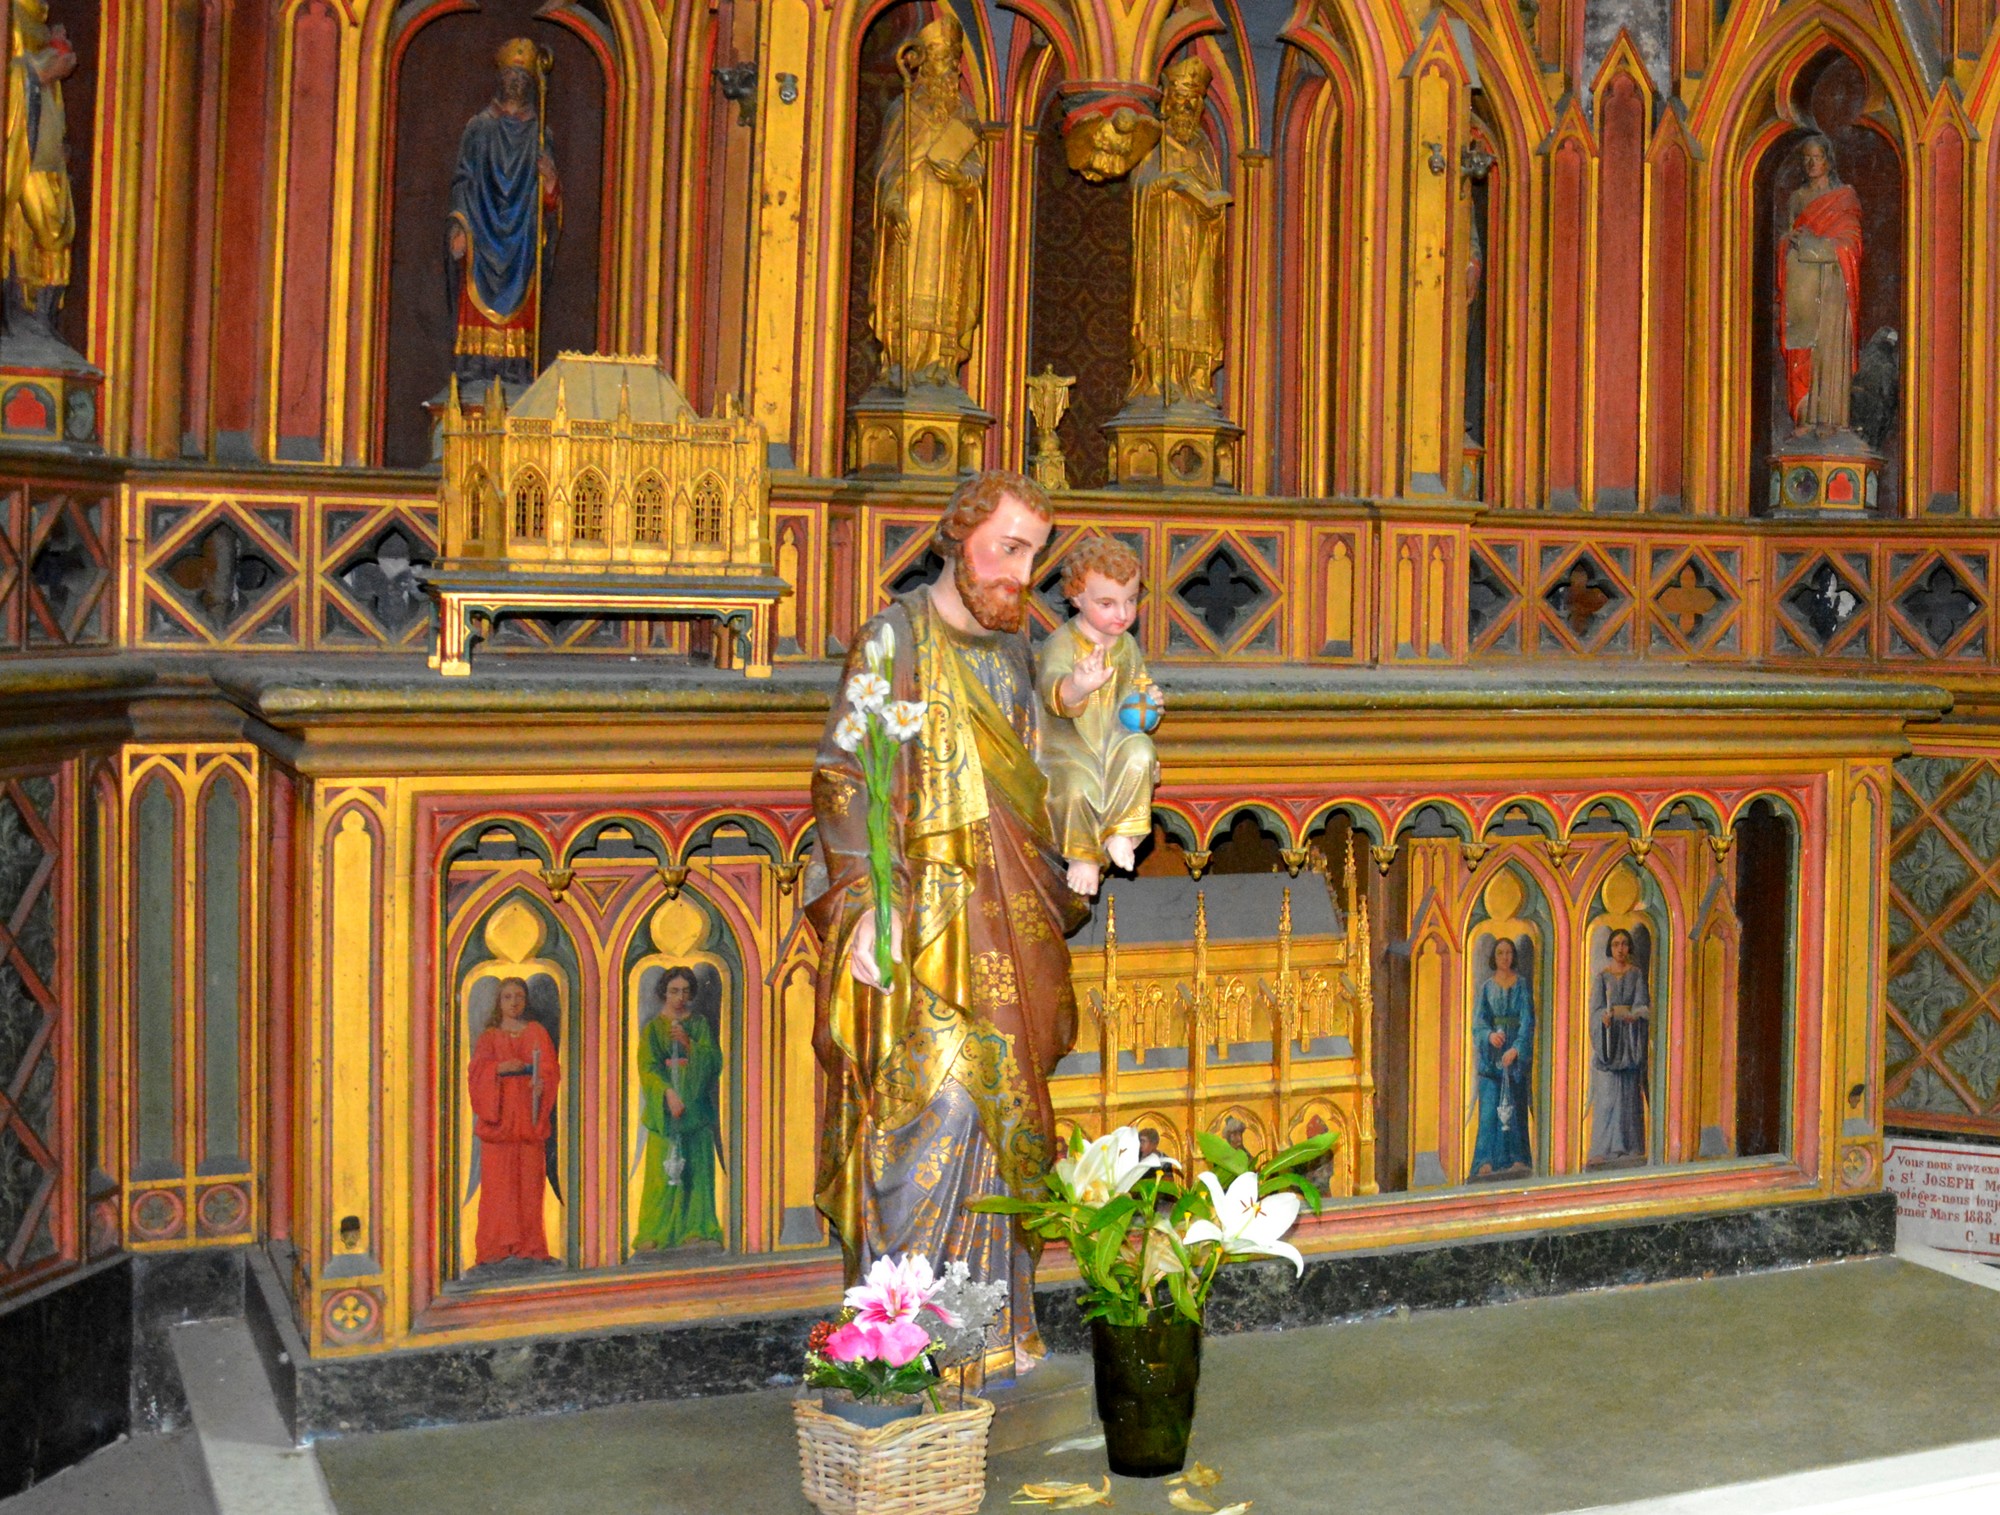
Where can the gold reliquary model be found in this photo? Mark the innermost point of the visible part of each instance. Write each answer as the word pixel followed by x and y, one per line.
pixel 602 492
pixel 1243 1008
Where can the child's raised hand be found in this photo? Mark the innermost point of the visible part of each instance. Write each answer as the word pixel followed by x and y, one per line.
pixel 1091 672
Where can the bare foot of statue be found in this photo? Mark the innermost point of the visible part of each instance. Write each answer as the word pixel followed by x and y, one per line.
pixel 1122 850
pixel 1083 878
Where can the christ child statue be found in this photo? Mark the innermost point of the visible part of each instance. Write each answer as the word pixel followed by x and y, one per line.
pixel 1096 752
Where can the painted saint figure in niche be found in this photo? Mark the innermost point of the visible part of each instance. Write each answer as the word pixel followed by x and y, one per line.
pixel 1621 1018
pixel 930 218
pixel 514 1078
pixel 1819 293
pixel 506 208
pixel 1178 206
pixel 680 1077
pixel 40 214
pixel 1503 1044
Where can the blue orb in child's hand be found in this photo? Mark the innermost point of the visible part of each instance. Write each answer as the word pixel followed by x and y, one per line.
pixel 1140 710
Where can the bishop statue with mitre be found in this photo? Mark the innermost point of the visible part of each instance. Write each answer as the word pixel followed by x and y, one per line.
pixel 506 208
pixel 930 218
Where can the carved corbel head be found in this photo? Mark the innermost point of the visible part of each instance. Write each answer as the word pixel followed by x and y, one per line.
pixel 1108 130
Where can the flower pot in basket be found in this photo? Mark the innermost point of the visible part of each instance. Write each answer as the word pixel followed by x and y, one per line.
pixel 1146 1380
pixel 922 1465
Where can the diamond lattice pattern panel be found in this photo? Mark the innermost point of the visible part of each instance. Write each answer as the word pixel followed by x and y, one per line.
pixel 28 1014
pixel 1944 944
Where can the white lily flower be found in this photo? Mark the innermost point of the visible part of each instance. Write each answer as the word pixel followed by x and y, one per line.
pixel 851 732
pixel 882 648
pixel 867 692
pixel 1105 1168
pixel 904 719
pixel 1245 1224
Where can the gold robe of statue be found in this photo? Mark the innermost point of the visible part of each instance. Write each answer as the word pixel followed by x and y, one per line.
pixel 937 1092
pixel 40 217
pixel 1178 205
pixel 1101 776
pixel 930 219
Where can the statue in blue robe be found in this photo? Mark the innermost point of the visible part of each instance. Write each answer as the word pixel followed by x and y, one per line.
pixel 1503 1045
pixel 506 208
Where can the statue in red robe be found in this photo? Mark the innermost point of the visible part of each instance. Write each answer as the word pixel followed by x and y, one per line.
pixel 1819 294
pixel 514 1081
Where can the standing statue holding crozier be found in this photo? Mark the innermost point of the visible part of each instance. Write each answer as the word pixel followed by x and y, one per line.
pixel 937 1089
pixel 1170 432
pixel 930 218
pixel 506 210
pixel 1178 200
pixel 40 215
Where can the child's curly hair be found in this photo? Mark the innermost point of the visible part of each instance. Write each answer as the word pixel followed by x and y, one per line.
pixel 1097 554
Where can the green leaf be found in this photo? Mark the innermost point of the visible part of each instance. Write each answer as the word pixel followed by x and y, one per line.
pixel 1006 1204
pixel 1227 1161
pixel 1301 1154
pixel 1117 1213
pixel 1105 1251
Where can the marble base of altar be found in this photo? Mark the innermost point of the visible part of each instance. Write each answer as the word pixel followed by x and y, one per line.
pixel 491 1380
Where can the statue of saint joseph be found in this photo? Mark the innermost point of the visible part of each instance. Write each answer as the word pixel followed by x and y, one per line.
pixel 937 1091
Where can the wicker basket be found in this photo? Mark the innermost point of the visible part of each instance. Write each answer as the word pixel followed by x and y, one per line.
pixel 925 1465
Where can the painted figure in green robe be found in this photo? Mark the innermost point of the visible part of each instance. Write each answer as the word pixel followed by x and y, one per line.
pixel 680 1075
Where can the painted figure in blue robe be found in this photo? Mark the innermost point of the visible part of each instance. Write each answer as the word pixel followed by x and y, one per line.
pixel 1503 1038
pixel 1621 1020
pixel 506 208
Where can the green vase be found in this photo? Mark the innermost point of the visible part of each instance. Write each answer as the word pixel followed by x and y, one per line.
pixel 1146 1378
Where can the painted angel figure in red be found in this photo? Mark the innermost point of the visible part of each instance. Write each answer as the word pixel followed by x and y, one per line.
pixel 1819 293
pixel 514 1081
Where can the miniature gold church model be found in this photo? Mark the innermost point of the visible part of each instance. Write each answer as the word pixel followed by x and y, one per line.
pixel 603 491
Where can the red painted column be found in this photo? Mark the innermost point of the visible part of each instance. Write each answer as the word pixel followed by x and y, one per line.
pixel 1944 323
pixel 302 325
pixel 1566 301
pixel 1667 352
pixel 241 242
pixel 1621 271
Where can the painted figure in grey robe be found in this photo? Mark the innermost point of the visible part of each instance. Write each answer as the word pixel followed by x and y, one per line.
pixel 1621 1018
pixel 1503 1044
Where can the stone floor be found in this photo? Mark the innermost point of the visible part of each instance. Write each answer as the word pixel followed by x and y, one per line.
pixel 1541 1406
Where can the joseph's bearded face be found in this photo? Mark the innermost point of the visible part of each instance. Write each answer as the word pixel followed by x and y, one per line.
pixel 996 562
